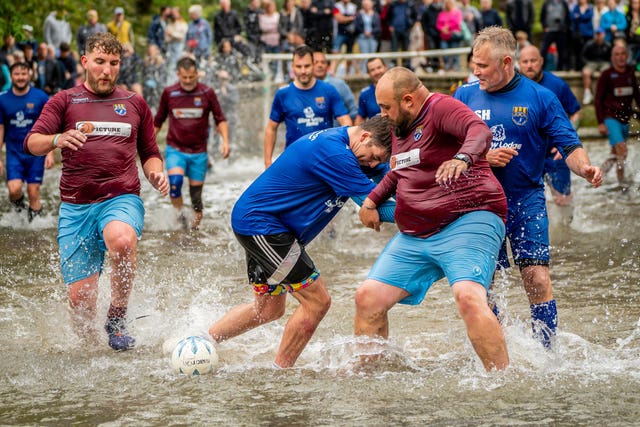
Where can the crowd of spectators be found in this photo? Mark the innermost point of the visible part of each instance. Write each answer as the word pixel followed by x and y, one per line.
pixel 576 35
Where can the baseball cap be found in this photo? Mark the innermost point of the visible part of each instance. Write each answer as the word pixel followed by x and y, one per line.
pixel 118 10
pixel 27 28
pixel 599 30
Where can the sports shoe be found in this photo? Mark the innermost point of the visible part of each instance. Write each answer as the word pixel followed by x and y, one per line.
pixel 119 338
pixel 19 205
pixel 587 98
pixel 34 213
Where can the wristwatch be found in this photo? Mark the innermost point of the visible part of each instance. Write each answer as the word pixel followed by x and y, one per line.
pixel 464 158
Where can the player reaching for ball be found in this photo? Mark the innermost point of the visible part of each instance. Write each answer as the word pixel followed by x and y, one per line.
pixel 101 207
pixel 286 208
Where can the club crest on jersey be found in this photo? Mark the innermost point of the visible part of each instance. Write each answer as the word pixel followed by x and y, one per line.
pixel 120 109
pixel 320 102
pixel 417 134
pixel 520 115
pixel 197 101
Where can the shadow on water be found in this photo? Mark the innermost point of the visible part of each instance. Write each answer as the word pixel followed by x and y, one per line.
pixel 428 374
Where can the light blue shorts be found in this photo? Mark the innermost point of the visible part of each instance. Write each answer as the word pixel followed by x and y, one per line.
pixel 467 249
pixel 618 131
pixel 194 165
pixel 80 227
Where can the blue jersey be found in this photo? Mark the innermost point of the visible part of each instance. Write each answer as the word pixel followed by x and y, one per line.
pixel 527 117
pixel 303 189
pixel 18 114
pixel 367 104
pixel 306 111
pixel 562 90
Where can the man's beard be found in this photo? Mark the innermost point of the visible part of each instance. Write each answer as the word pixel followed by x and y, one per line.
pixel 94 84
pixel 402 125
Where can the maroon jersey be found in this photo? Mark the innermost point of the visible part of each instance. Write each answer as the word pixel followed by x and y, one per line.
pixel 188 116
pixel 118 126
pixel 615 92
pixel 443 128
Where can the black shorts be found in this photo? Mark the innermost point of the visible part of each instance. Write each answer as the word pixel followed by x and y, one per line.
pixel 277 263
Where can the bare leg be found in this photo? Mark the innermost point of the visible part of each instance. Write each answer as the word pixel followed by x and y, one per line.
pixel 483 328
pixel 244 317
pixel 83 297
pixel 121 241
pixel 620 150
pixel 537 283
pixel 314 304
pixel 373 301
pixel 33 190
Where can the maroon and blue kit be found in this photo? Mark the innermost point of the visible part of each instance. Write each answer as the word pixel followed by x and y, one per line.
pixel 118 126
pixel 188 113
pixel 425 207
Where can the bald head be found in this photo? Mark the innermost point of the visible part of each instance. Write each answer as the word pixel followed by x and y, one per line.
pixel 400 81
pixel 400 95
pixel 531 62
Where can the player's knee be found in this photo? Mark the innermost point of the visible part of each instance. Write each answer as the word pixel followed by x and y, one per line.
pixel 269 312
pixel 366 301
pixel 175 186
pixel 621 151
pixel 469 301
pixel 195 191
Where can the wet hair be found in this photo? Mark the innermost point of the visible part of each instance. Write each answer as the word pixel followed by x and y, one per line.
pixel 380 129
pixel 404 81
pixel 302 51
pixel 105 42
pixel 15 65
pixel 501 39
pixel 186 63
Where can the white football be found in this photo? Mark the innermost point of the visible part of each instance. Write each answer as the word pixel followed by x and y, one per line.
pixel 194 356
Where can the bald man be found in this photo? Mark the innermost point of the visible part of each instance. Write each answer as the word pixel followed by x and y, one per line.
pixel 556 172
pixel 451 213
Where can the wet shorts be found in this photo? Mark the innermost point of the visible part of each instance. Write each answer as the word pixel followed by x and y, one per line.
pixel 557 174
pixel 194 165
pixel 25 167
pixel 618 131
pixel 80 230
pixel 277 263
pixel 527 231
pixel 467 249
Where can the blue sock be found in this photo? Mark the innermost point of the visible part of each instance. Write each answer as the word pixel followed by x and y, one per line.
pixel 545 321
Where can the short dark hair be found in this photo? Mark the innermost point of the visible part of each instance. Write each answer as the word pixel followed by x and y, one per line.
pixel 186 63
pixel 106 42
pixel 380 129
pixel 302 51
pixel 18 65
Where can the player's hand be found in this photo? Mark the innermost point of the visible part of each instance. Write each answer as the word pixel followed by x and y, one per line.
pixel 49 160
pixel 450 170
pixel 72 139
pixel 500 157
pixel 225 150
pixel 593 174
pixel 369 217
pixel 160 182
pixel 557 156
pixel 602 129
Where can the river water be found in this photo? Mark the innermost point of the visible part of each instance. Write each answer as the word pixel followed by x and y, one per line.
pixel 429 374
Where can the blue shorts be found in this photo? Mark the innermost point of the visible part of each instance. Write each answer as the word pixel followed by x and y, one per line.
pixel 27 168
pixel 557 174
pixel 194 165
pixel 467 249
pixel 80 228
pixel 527 231
pixel 618 131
